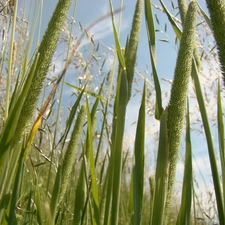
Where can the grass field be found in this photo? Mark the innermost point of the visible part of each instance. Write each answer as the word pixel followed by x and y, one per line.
pixel 71 164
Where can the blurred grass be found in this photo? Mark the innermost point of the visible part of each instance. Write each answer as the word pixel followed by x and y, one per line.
pixel 72 166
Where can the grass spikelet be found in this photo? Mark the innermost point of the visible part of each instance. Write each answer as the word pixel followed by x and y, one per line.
pixel 45 50
pixel 131 50
pixel 70 154
pixel 182 4
pixel 217 13
pixel 177 103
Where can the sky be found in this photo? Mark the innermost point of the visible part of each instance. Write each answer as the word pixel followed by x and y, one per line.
pixel 166 50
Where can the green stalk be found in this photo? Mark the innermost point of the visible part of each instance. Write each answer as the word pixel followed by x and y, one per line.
pixel 221 138
pixel 177 103
pixel 217 13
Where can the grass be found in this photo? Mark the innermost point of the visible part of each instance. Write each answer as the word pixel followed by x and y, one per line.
pixel 75 169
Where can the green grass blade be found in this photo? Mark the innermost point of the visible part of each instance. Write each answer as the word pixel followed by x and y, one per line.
pixel 118 48
pixel 221 138
pixel 161 174
pixel 138 169
pixel 81 194
pixel 175 27
pixel 186 201
pixel 206 17
pixel 117 141
pixel 38 202
pixel 211 149
pixel 55 197
pixel 150 27
pixel 86 92
pixel 92 167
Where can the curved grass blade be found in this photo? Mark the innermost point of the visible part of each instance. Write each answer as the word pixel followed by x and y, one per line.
pixel 87 92
pixel 206 17
pixel 176 29
pixel 118 48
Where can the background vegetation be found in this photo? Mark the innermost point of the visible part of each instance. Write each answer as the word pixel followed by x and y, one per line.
pixel 71 164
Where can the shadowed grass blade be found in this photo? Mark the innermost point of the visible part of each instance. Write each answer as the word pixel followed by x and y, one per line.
pixel 138 169
pixel 161 174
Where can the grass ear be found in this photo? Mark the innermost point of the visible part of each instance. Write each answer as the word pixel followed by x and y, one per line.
pixel 217 13
pixel 178 98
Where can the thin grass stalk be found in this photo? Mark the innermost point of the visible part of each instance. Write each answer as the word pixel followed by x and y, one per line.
pixel 217 13
pixel 221 138
pixel 178 98
pixel 10 61
pixel 132 45
pixel 93 184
